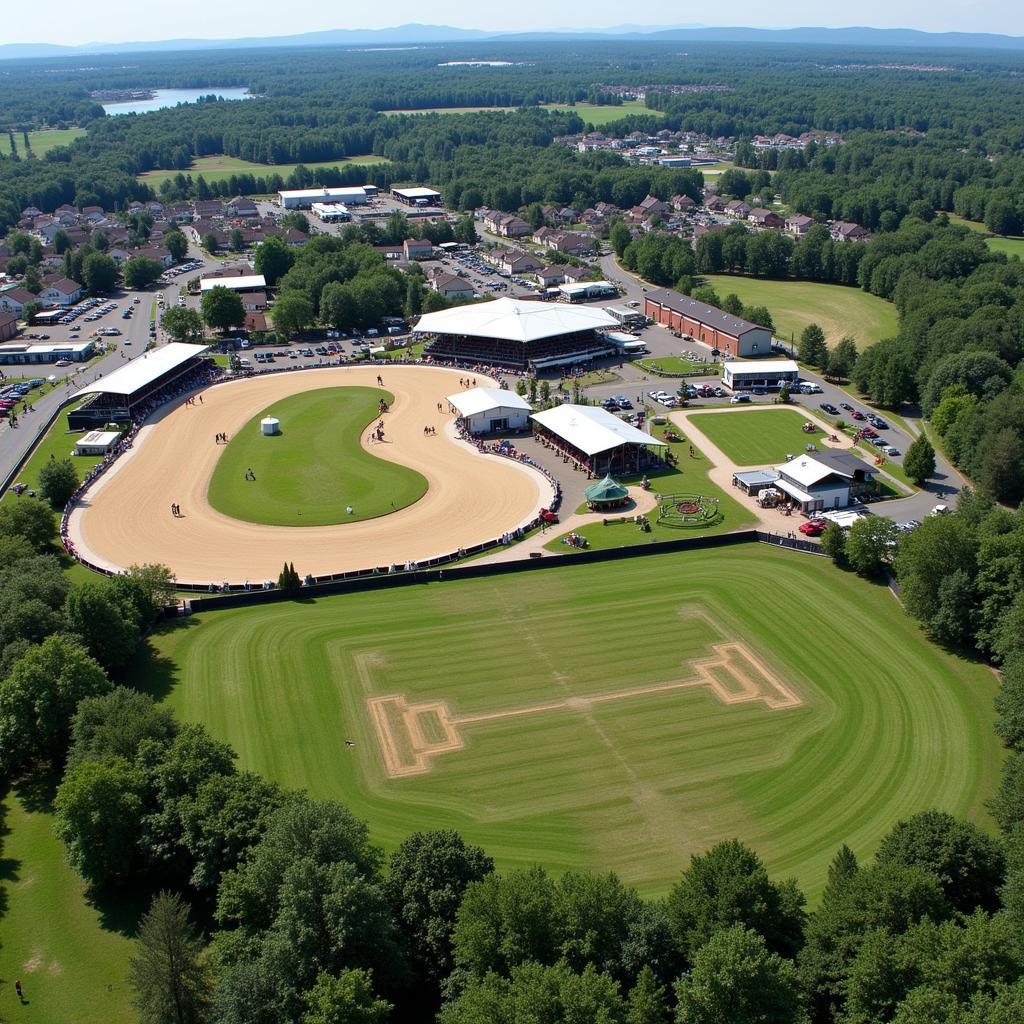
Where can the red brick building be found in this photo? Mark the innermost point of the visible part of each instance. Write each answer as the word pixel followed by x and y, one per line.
pixel 708 324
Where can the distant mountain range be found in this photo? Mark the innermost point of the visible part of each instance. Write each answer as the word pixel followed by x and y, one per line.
pixel 422 34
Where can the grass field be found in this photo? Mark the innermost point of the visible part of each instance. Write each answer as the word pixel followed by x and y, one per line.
pixel 220 168
pixel 48 138
pixel 71 957
pixel 678 365
pixel 594 114
pixel 604 779
pixel 310 473
pixel 1012 245
pixel 751 438
pixel 837 310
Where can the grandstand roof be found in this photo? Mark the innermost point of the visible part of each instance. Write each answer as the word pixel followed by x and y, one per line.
pixel 590 429
pixel 144 370
pixel 514 320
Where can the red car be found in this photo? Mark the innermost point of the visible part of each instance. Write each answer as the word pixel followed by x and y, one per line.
pixel 813 527
pixel 548 516
pixel 857 414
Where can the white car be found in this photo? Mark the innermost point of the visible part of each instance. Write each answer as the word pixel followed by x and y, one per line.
pixel 939 510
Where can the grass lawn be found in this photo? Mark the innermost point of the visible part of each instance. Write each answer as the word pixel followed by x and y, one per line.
pixel 599 114
pixel 443 110
pixel 220 168
pixel 71 956
pixel 679 366
pixel 1011 246
pixel 837 310
pixel 307 475
pixel 604 780
pixel 48 138
pixel 752 437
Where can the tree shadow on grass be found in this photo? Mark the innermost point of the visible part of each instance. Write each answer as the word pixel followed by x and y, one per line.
pixel 149 671
pixel 9 867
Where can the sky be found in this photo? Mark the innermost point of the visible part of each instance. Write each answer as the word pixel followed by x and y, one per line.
pixel 72 22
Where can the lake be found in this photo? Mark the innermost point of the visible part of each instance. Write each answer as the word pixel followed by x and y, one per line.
pixel 172 97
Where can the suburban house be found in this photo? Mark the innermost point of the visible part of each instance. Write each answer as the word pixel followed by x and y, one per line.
pixel 737 208
pixel 824 480
pixel 518 263
pixel 60 292
pixel 158 253
pixel 799 224
pixel 683 204
pixel 14 300
pixel 8 326
pixel 508 225
pixel 708 324
pixel 651 205
pixel 451 287
pixel 765 218
pixel 548 277
pixel 242 206
pixel 254 302
pixel 844 231
pixel 417 249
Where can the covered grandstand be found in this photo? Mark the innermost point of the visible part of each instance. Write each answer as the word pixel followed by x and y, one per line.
pixel 595 440
pixel 129 393
pixel 522 335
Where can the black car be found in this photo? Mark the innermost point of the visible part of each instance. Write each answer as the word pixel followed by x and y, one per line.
pixel 829 408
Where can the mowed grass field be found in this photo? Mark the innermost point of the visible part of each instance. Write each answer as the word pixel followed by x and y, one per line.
pixel 316 467
pixel 1012 245
pixel 46 139
pixel 70 956
pixel 750 437
pixel 595 114
pixel 839 311
pixel 634 784
pixel 220 168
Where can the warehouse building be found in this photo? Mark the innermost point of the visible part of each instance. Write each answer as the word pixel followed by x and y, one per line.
pixel 729 334
pixel 304 198
pixel 417 197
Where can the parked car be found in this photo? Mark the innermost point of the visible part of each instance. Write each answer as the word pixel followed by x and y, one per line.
pixel 829 408
pixel 739 399
pixel 813 527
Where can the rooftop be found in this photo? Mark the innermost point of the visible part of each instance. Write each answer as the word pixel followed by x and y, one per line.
pixel 710 315
pixel 514 320
pixel 144 370
pixel 478 400
pixel 591 429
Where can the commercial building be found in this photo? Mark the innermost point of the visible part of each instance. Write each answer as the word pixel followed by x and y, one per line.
pixel 331 213
pixel 97 442
pixel 729 334
pixel 242 283
pixel 586 290
pixel 824 480
pixel 121 395
pixel 8 326
pixel 742 375
pixel 491 410
pixel 417 197
pixel 304 198
pixel 516 333
pixel 596 440
pixel 46 352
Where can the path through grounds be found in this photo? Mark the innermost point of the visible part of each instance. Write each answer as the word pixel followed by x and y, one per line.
pixel 471 498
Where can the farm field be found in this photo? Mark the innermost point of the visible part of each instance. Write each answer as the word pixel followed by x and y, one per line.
pixel 753 437
pixel 838 310
pixel 71 957
pixel 221 168
pixel 315 468
pixel 595 114
pixel 614 717
pixel 46 139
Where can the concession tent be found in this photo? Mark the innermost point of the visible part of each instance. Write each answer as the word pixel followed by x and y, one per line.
pixel 606 493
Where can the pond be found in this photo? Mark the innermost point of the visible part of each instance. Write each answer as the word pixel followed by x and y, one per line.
pixel 172 97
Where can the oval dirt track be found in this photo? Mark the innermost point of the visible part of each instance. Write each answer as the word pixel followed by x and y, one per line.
pixel 125 517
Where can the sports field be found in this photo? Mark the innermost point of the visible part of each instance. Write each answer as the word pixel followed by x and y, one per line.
pixel 837 310
pixel 221 168
pixel 316 468
pixel 616 716
pixel 750 437
pixel 71 956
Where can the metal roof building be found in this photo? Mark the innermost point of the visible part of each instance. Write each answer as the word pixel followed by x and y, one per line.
pixel 486 410
pixel 242 283
pixel 712 326
pixel 594 438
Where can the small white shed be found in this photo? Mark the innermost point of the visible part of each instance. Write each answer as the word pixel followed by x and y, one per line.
pixel 491 410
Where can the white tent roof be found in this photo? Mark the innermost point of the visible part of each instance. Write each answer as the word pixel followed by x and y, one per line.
pixel 143 370
pixel 761 366
pixel 514 320
pixel 477 400
pixel 591 429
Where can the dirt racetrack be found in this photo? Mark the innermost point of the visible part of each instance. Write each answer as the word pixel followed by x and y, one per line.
pixel 125 518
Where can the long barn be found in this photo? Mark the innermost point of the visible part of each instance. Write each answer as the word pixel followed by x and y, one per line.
pixel 708 324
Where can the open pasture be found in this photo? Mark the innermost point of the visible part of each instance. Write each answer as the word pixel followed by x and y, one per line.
pixel 221 168
pixel 839 311
pixel 616 716
pixel 752 437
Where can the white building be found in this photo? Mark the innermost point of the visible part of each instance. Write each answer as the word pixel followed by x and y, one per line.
pixel 331 213
pixel 97 442
pixel 489 410
pixel 417 196
pixel 304 198
pixel 242 283
pixel 744 374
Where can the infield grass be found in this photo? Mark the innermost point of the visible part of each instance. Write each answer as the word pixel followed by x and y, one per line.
pixel 634 784
pixel 839 311
pixel 316 467
pixel 752 437
pixel 70 955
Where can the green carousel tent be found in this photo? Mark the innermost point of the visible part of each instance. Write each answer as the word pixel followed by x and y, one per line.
pixel 606 493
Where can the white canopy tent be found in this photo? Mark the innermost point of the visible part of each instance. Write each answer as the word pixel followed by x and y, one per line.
pixel 514 320
pixel 592 430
